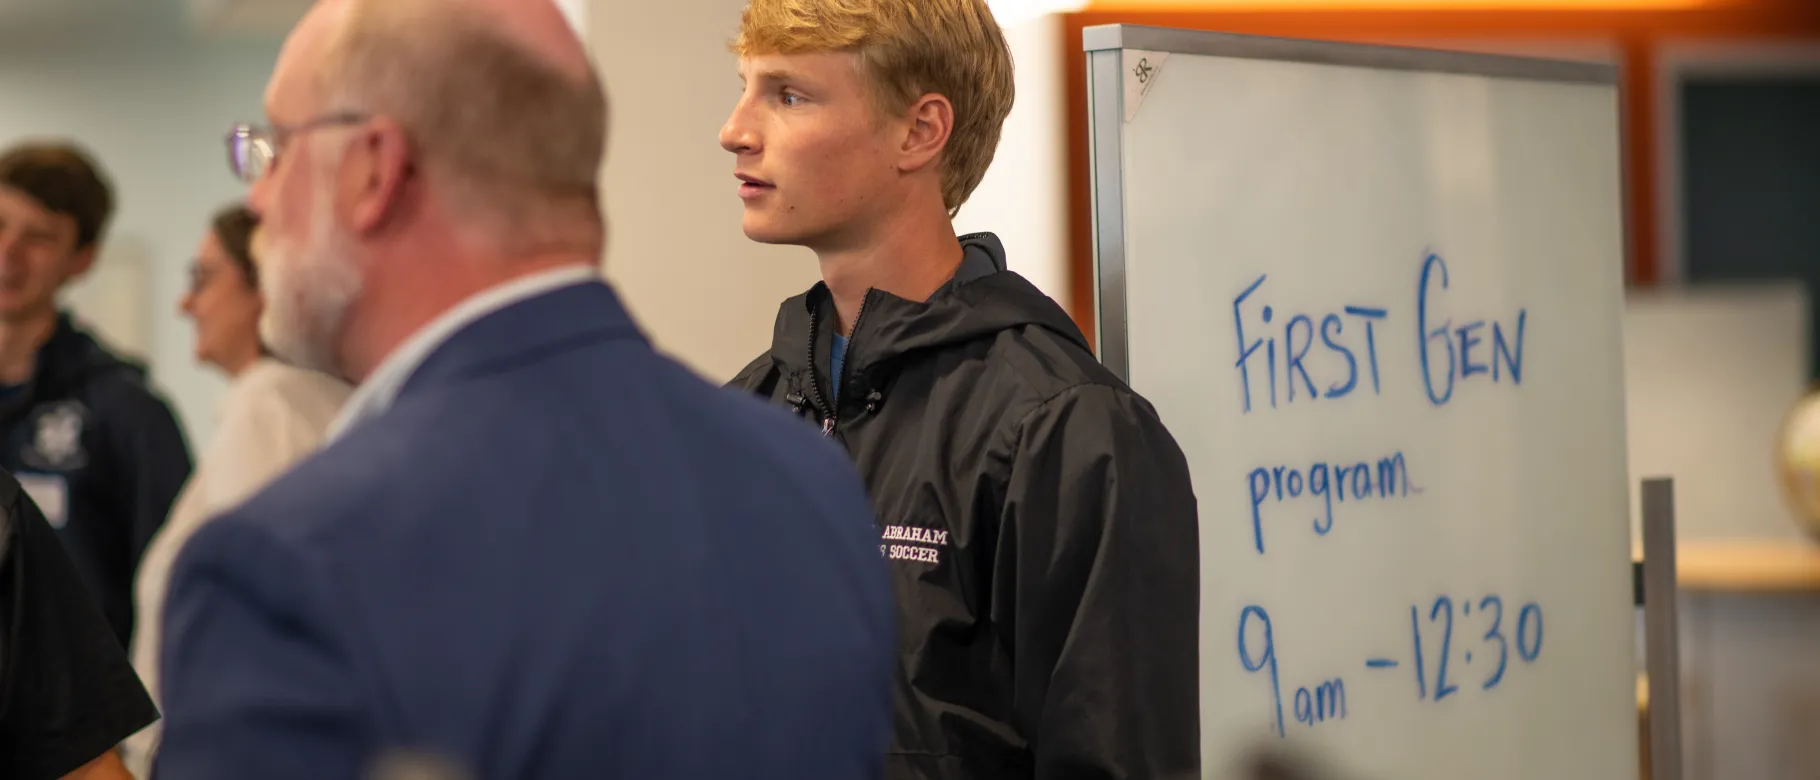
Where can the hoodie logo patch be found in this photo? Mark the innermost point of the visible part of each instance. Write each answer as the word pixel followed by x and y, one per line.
pixel 57 440
pixel 910 543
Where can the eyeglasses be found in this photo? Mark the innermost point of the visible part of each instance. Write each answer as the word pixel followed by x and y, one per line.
pixel 253 149
pixel 200 276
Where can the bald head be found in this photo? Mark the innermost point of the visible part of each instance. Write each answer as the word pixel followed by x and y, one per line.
pixel 302 54
pixel 538 27
pixel 497 97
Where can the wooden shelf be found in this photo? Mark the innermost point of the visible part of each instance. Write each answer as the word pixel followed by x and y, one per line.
pixel 1748 566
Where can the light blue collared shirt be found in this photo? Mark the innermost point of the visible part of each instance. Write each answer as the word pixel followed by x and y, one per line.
pixel 374 396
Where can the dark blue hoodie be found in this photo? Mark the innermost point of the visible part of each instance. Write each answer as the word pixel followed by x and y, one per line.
pixel 101 454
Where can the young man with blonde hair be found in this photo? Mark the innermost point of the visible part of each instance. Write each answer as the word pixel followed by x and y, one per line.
pixel 1036 515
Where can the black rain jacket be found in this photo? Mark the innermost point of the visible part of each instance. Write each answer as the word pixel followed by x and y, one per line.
pixel 101 454
pixel 1038 519
pixel 68 693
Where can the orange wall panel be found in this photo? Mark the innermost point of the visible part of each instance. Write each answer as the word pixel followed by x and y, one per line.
pixel 1634 34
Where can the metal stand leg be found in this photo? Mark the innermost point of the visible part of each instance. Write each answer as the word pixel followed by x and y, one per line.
pixel 1662 635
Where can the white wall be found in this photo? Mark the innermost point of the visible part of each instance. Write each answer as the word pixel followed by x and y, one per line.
pixel 577 13
pixel 1024 198
pixel 675 249
pixel 152 104
pixel 706 293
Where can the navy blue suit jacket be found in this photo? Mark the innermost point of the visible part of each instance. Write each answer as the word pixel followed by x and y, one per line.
pixel 557 555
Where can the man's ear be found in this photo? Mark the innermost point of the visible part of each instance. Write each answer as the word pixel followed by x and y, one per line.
pixel 378 168
pixel 931 120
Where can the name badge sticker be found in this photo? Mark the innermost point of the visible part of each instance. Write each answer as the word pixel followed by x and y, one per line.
pixel 51 493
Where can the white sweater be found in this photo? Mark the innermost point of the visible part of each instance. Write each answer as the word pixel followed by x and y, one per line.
pixel 274 414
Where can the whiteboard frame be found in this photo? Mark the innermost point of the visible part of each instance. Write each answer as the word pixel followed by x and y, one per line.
pixel 1105 45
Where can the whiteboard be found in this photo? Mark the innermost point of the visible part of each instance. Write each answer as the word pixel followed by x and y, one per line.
pixel 1376 295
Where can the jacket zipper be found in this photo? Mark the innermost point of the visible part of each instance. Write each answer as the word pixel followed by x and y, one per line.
pixel 831 414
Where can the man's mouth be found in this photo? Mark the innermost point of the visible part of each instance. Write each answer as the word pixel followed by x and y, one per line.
pixel 751 186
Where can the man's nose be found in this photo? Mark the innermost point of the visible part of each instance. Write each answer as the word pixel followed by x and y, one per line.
pixel 258 193
pixel 736 135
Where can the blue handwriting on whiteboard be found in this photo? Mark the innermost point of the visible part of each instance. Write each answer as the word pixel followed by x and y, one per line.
pixel 1440 661
pixel 1457 344
pixel 1314 705
pixel 1437 658
pixel 1298 339
pixel 1328 484
pixel 1448 353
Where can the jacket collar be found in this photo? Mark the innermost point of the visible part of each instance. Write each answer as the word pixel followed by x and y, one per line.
pixel 509 321
pixel 982 299
pixel 69 359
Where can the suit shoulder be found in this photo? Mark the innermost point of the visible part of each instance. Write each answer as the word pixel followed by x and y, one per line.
pixel 786 439
pixel 331 489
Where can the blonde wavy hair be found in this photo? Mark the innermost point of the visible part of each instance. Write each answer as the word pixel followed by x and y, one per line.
pixel 907 49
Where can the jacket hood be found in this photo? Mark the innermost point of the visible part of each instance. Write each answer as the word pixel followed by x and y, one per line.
pixel 981 300
pixel 72 357
pixel 67 363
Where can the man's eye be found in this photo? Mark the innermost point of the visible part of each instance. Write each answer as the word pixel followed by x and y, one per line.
pixel 789 98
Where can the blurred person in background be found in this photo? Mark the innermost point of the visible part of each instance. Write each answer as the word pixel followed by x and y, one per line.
pixel 67 691
pixel 273 415
pixel 98 450
pixel 533 545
